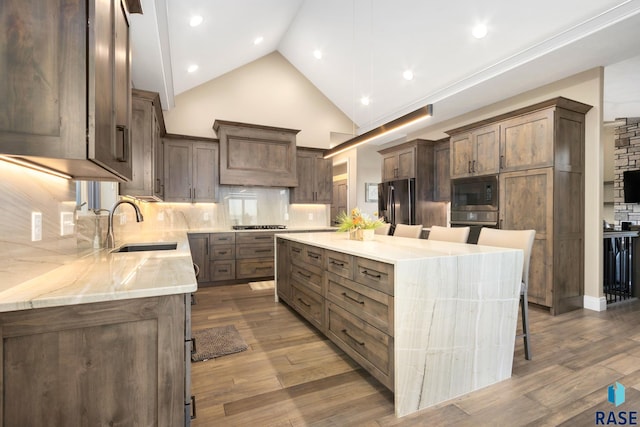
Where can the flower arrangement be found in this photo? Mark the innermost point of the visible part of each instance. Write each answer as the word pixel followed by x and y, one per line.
pixel 357 221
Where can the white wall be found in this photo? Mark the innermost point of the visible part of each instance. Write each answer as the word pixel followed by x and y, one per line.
pixel 268 91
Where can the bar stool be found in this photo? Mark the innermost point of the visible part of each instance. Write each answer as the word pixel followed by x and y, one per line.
pixel 515 239
pixel 404 230
pixel 449 234
pixel 383 229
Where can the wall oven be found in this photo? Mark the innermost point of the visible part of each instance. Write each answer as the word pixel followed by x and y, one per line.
pixel 474 203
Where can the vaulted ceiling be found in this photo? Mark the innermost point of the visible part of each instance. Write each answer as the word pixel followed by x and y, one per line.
pixel 366 46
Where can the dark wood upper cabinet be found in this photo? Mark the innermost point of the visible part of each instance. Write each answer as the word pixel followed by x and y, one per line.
pixel 256 155
pixel 147 129
pixel 66 86
pixel 190 169
pixel 315 177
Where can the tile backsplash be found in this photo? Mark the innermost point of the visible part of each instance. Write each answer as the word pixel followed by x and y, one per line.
pixel 236 206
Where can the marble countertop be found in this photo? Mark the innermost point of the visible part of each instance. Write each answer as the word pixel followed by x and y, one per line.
pixel 105 276
pixel 100 275
pixel 389 249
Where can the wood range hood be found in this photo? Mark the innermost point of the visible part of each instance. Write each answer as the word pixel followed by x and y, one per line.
pixel 257 155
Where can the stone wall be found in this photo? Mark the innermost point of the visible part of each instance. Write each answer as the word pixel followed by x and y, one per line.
pixel 627 157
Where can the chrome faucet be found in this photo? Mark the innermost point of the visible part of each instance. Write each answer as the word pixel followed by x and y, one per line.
pixel 110 239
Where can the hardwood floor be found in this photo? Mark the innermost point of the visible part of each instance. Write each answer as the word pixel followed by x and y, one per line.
pixel 293 376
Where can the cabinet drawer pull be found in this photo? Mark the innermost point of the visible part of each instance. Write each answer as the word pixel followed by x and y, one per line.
pixel 304 302
pixel 193 407
pixel 222 252
pixel 339 264
pixel 502 162
pixel 314 256
pixel 469 166
pixel 346 295
pixel 193 346
pixel 296 250
pixel 262 250
pixel 223 271
pixel 344 331
pixel 473 168
pixel 306 276
pixel 375 276
pixel 262 237
pixel 193 299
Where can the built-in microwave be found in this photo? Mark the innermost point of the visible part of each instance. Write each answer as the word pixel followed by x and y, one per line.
pixel 474 200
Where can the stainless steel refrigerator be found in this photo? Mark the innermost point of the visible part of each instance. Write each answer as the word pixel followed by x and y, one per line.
pixel 396 201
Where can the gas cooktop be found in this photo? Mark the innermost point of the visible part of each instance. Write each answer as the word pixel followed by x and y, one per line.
pixel 259 227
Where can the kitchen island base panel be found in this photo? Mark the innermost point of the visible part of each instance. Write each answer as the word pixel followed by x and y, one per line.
pixel 453 310
pixel 455 326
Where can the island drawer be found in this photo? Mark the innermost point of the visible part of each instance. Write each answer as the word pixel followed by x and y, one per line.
pixel 306 277
pixel 256 267
pixel 366 344
pixel 340 264
pixel 222 238
pixel 254 251
pixel 222 252
pixel 222 270
pixel 308 303
pixel 254 237
pixel 314 256
pixel 377 275
pixel 296 251
pixel 373 306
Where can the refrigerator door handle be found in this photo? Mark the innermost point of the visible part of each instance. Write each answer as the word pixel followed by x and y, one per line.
pixel 391 203
pixel 410 188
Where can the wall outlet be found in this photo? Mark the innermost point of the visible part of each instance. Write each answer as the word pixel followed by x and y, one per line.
pixel 66 223
pixel 205 217
pixel 36 226
pixel 123 219
pixel 310 217
pixel 160 216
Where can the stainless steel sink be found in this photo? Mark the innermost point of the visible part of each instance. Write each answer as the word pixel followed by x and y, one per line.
pixel 140 247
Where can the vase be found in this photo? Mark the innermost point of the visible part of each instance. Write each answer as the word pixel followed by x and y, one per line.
pixel 360 234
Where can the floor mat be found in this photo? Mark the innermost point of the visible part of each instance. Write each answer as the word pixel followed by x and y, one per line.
pixel 216 342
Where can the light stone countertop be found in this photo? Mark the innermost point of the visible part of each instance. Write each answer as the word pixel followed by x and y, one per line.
pixel 99 275
pixel 105 276
pixel 390 249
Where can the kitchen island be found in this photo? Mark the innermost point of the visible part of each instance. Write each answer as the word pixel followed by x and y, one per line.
pixel 430 320
pixel 102 340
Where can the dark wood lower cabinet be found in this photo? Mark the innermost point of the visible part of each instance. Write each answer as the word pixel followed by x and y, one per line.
pixel 107 363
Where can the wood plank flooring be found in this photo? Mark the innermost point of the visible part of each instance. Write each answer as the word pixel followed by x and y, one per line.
pixel 292 376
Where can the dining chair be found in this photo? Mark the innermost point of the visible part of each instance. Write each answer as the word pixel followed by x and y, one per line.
pixel 383 229
pixel 449 234
pixel 515 239
pixel 404 230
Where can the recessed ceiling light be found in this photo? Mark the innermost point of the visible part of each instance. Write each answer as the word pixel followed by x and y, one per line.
pixel 365 100
pixel 192 68
pixel 317 53
pixel 408 75
pixel 258 40
pixel 196 20
pixel 479 31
